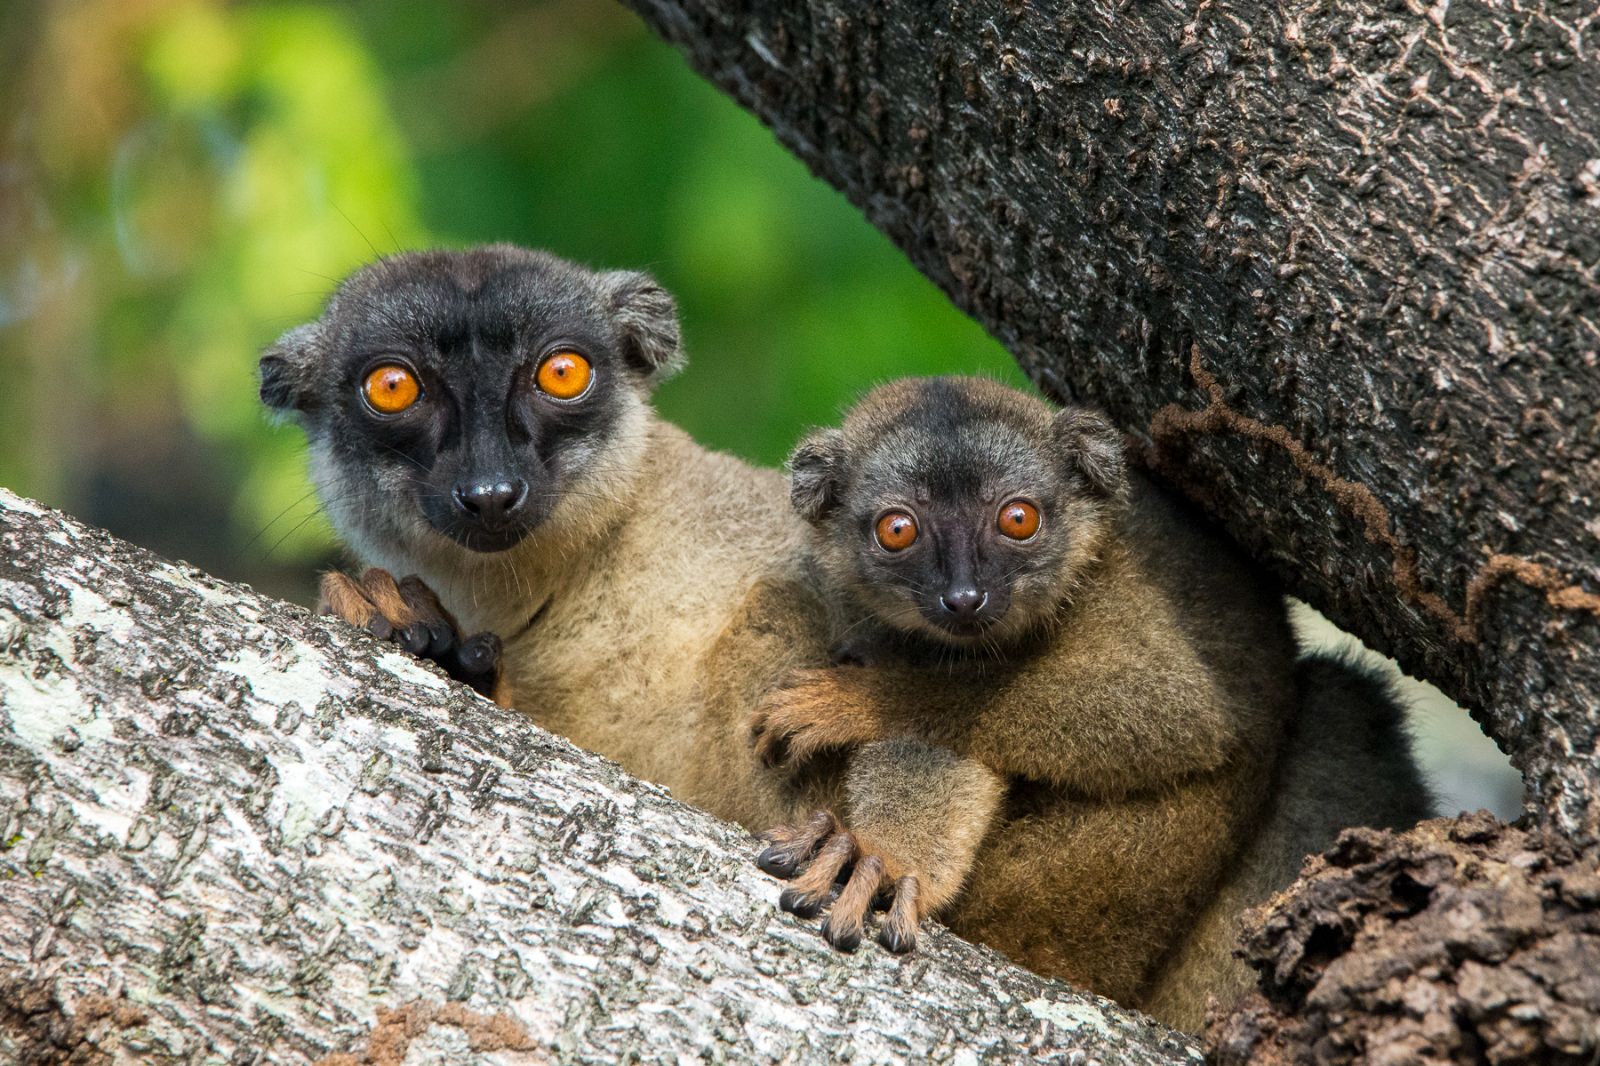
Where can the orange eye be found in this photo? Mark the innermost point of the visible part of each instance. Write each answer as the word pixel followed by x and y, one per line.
pixel 1019 520
pixel 564 375
pixel 391 389
pixel 896 531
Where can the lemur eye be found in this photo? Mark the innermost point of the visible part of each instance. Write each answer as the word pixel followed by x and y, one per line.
pixel 391 388
pixel 564 375
pixel 896 531
pixel 1019 520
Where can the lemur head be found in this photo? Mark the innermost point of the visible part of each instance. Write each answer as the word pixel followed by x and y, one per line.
pixel 959 508
pixel 457 402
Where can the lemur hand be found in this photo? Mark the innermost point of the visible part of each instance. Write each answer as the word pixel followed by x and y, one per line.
pixel 408 613
pixel 815 854
pixel 812 711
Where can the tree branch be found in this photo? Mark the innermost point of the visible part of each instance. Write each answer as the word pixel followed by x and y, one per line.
pixel 1334 264
pixel 230 830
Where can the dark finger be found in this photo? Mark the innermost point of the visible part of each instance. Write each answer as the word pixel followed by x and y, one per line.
pixel 425 605
pixel 790 846
pixel 899 932
pixel 479 655
pixel 808 892
pixel 847 919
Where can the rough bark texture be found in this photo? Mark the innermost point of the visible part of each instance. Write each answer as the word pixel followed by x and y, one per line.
pixel 233 832
pixel 1461 941
pixel 1335 264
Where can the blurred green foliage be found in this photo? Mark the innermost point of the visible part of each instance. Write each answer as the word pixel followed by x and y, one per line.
pixel 183 180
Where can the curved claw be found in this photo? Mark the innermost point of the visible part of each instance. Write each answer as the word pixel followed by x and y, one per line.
pixel 811 890
pixel 801 904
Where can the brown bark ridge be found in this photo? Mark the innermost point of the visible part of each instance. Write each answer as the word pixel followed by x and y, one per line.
pixel 1459 941
pixel 230 831
pixel 1336 267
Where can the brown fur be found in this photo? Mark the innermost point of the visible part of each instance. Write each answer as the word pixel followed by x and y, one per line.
pixel 1347 762
pixel 652 634
pixel 1137 728
pixel 653 609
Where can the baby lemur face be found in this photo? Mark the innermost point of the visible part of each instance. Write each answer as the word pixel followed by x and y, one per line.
pixel 457 401
pixel 958 508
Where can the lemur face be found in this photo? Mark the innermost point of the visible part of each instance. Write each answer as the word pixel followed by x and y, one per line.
pixel 958 508
pixel 466 395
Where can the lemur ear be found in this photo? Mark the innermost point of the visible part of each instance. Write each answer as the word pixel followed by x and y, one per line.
pixel 286 366
pixel 1092 447
pixel 647 318
pixel 816 471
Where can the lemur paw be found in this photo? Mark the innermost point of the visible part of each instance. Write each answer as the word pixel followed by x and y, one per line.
pixel 810 712
pixel 408 613
pixel 821 853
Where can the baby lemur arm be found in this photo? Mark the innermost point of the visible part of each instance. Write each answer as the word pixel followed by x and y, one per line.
pixel 1119 705
pixel 916 816
pixel 944 836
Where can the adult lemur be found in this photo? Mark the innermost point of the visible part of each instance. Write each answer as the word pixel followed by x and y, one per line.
pixel 481 420
pixel 1122 675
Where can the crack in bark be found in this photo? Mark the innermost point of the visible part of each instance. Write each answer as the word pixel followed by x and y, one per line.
pixel 395 1029
pixel 45 1032
pixel 1355 499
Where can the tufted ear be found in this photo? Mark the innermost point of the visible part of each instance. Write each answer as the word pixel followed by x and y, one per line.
pixel 286 367
pixel 816 472
pixel 1092 447
pixel 647 318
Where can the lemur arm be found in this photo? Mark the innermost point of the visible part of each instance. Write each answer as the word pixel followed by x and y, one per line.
pixel 1093 890
pixel 409 613
pixel 1100 722
pixel 915 815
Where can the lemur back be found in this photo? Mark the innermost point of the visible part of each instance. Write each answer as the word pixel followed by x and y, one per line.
pixel 1347 761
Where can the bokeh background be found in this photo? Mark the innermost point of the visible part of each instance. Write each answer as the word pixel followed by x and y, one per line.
pixel 181 180
pixel 184 179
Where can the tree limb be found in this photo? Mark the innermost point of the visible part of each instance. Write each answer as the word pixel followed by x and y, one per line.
pixel 231 831
pixel 1334 265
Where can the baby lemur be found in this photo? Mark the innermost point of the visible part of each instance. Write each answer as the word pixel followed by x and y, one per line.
pixel 1092 691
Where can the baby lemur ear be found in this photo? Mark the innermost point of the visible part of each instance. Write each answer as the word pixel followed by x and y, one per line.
pixel 1092 447
pixel 648 319
pixel 816 471
pixel 286 367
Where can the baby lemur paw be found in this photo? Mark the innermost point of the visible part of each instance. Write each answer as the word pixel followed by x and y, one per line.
pixel 828 864
pixel 408 613
pixel 811 711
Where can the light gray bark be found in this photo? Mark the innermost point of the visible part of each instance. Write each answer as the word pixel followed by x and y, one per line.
pixel 232 832
pixel 1335 265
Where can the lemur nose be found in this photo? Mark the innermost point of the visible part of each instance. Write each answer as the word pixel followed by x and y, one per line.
pixel 491 502
pixel 964 603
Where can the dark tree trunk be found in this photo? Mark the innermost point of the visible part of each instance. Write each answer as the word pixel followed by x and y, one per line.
pixel 1333 265
pixel 231 832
